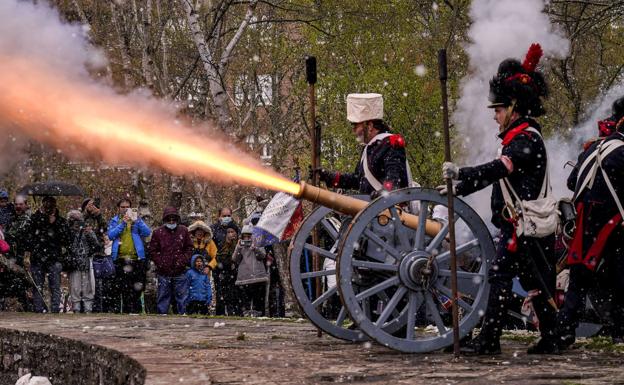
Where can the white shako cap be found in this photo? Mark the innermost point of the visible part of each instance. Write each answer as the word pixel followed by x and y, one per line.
pixel 363 107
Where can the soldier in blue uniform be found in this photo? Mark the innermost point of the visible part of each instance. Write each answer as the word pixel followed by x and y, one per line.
pixel 515 94
pixel 595 252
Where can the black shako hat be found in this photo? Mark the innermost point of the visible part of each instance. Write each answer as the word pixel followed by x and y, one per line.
pixel 521 84
pixel 618 114
pixel 615 122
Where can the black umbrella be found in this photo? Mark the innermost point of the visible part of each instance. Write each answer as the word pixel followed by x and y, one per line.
pixel 52 188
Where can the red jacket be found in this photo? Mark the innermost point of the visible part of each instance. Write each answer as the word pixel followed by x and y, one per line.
pixel 171 250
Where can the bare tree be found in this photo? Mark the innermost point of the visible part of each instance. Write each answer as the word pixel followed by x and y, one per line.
pixel 214 60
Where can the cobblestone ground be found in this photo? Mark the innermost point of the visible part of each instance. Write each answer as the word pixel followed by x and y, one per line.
pixel 185 350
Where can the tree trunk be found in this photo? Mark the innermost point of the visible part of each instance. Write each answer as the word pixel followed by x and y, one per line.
pixel 144 27
pixel 123 52
pixel 217 90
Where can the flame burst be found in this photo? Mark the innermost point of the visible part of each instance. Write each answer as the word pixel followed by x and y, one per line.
pixel 88 119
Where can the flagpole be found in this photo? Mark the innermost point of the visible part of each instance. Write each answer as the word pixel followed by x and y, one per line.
pixel 451 209
pixel 315 131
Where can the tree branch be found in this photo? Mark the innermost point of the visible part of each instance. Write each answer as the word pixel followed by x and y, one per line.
pixel 225 56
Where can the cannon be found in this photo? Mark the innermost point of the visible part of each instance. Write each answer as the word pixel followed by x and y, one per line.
pixel 383 270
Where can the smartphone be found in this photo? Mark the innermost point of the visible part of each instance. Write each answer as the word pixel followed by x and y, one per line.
pixel 133 213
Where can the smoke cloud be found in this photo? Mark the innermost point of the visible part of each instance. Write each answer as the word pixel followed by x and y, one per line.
pixel 47 93
pixel 500 29
pixel 561 151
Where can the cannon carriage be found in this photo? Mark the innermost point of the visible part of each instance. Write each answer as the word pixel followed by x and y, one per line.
pixel 382 268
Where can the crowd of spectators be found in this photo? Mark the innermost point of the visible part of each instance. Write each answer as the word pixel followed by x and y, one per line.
pixel 82 263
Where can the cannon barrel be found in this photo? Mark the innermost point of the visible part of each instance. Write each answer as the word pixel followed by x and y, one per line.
pixel 351 206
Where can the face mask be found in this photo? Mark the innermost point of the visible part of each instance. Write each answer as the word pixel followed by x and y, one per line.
pixel 171 226
pixel 225 220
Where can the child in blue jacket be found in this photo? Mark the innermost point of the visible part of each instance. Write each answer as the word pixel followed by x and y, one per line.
pixel 200 293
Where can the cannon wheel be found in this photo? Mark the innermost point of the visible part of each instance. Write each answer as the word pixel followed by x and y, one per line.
pixel 414 269
pixel 298 275
pixel 310 304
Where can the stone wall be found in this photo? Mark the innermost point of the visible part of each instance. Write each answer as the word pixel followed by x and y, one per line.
pixel 64 361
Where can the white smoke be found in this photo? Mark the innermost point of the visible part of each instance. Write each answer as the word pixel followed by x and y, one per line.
pixel 501 29
pixel 561 151
pixel 48 94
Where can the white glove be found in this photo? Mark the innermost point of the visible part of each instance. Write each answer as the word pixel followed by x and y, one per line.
pixel 443 191
pixel 450 170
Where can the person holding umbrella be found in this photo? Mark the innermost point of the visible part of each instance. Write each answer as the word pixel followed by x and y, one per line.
pixel 49 239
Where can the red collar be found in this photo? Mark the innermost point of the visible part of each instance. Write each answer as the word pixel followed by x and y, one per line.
pixel 509 135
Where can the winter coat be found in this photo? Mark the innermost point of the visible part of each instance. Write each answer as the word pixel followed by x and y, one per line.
pixel 171 250
pixel 219 232
pixel 7 214
pixel 48 241
pixel 99 226
pixel 386 161
pixel 205 246
pixel 224 257
pixel 600 207
pixel 18 237
pixel 83 247
pixel 139 231
pixel 207 249
pixel 250 262
pixel 527 152
pixel 199 284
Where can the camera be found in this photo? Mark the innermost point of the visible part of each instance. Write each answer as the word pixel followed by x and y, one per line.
pixel 133 214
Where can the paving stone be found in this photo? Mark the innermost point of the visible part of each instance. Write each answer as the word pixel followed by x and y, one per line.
pixel 190 350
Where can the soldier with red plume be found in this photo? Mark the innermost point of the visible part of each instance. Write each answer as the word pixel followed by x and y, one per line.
pixel 517 176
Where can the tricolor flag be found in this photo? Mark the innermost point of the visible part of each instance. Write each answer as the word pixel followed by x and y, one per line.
pixel 279 221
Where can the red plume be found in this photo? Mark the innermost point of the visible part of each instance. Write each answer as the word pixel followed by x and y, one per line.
pixel 532 57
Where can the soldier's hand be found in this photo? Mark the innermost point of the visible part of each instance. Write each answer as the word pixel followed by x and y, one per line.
pixel 316 171
pixel 377 193
pixel 450 171
pixel 443 190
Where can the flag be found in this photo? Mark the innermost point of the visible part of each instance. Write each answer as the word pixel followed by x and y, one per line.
pixel 279 221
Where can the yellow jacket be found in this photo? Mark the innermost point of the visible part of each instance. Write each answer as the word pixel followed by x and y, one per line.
pixel 207 247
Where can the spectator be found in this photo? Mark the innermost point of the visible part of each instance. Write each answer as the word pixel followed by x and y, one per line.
pixel 127 232
pixel 252 276
pixel 106 292
pixel 94 219
pixel 201 234
pixel 220 227
pixel 84 245
pixel 49 240
pixel 17 236
pixel 200 292
pixel 170 249
pixel 227 299
pixel 7 210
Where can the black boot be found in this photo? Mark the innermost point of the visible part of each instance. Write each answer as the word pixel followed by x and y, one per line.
pixel 479 346
pixel 545 345
pixel 565 341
